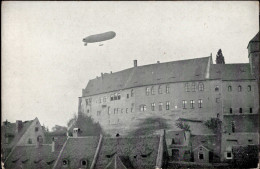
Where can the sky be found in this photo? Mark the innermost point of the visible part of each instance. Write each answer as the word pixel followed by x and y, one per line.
pixel 45 64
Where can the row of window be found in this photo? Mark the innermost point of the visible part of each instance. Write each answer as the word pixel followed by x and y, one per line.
pixel 239 88
pixel 192 104
pixel 160 90
pixel 241 110
pixel 192 88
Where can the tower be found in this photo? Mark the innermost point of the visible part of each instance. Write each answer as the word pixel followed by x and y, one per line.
pixel 253 55
pixel 220 58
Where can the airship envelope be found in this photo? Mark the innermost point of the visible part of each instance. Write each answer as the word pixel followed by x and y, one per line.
pixel 99 37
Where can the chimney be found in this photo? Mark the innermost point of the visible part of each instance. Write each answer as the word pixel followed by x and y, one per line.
pixel 110 72
pixel 102 75
pixel 19 126
pixel 53 144
pixel 158 61
pixel 135 63
pixel 76 132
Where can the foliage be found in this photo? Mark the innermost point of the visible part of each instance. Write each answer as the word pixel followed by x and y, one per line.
pixel 58 128
pixel 183 125
pixel 149 126
pixel 86 125
pixel 214 124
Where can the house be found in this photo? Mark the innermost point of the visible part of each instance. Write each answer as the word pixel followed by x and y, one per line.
pixel 202 154
pixel 19 134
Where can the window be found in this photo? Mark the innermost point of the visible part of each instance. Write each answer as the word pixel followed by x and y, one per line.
pixel 200 103
pixel 99 100
pixel 108 110
pixel 217 88
pixel 184 103
pixel 115 96
pixel 167 105
pixel 118 96
pixel 143 108
pixel 240 110
pixel 201 156
pixel 111 97
pixel 250 141
pixel 229 88
pixel 29 141
pixel 132 93
pixel 250 110
pixel 193 87
pixel 98 113
pixel 126 110
pixel 217 100
pixel 153 106
pixel 65 162
pixel 167 89
pixel 249 88
pixel 90 100
pixel 86 101
pixel 147 91
pixel 233 126
pixel 160 89
pixel 229 155
pixel 160 106
pixel 187 87
pixel 201 86
pixel 117 110
pixel 132 107
pixel 105 99
pixel 36 129
pixel 83 162
pixel 239 88
pixel 152 90
pixel 127 96
pixel 122 110
pixel 192 104
pixel 230 111
pixel 114 110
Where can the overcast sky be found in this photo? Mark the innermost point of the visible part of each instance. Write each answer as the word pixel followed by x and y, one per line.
pixel 45 64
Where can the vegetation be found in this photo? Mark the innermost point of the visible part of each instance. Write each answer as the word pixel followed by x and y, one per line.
pixel 149 126
pixel 214 124
pixel 182 125
pixel 86 125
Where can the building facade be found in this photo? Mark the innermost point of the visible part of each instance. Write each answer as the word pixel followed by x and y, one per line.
pixel 195 89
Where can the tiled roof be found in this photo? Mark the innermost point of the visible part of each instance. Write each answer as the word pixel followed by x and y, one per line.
pixel 31 157
pixel 255 38
pixel 176 71
pixel 231 71
pixel 119 162
pixel 141 152
pixel 208 141
pixel 77 149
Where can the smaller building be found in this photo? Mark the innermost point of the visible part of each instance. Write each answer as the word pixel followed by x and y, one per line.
pixel 202 154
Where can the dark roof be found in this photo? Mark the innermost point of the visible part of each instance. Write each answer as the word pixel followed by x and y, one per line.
pixel 60 139
pixel 31 157
pixel 255 38
pixel 231 71
pixel 77 149
pixel 141 152
pixel 208 141
pixel 176 71
pixel 121 162
pixel 10 129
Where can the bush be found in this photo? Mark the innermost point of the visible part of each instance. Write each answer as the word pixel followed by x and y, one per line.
pixel 183 126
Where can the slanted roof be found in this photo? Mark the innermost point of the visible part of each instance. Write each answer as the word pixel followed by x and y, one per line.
pixel 176 71
pixel 255 38
pixel 10 129
pixel 208 141
pixel 59 137
pixel 239 71
pixel 141 151
pixel 119 162
pixel 77 149
pixel 31 157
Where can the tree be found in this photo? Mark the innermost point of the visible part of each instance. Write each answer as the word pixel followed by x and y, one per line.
pixel 220 58
pixel 149 126
pixel 86 125
pixel 182 125
pixel 214 124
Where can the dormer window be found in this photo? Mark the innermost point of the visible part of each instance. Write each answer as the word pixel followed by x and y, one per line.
pixel 147 91
pixel 65 163
pixel 187 87
pixel 201 86
pixel 160 89
pixel 132 93
pixel 83 163
pixel 193 87
pixel 152 90
pixel 217 89
pixel 167 89
pixel 36 129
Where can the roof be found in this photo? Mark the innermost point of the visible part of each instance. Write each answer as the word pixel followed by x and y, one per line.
pixel 175 71
pixel 208 141
pixel 10 129
pixel 31 157
pixel 60 139
pixel 255 38
pixel 121 162
pixel 140 152
pixel 76 149
pixel 231 71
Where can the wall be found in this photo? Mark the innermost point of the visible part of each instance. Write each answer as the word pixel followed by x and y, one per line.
pixel 31 133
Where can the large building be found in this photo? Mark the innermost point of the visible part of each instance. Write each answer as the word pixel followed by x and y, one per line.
pixel 194 89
